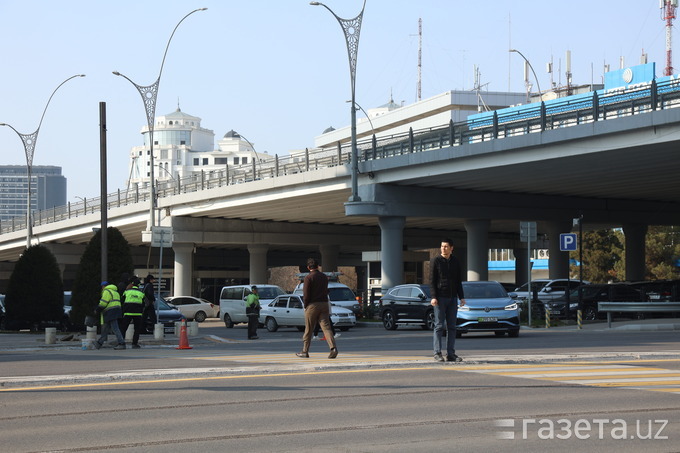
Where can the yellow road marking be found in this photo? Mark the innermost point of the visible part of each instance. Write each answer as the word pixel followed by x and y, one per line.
pixel 206 378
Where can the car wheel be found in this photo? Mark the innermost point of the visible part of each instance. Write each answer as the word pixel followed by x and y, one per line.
pixel 499 334
pixel 388 320
pixel 459 334
pixel 227 321
pixel 429 320
pixel 344 329
pixel 301 328
pixel 590 313
pixel 271 324
pixel 513 333
pixel 200 316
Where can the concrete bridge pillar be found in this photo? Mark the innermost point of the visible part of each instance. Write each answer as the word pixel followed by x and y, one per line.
pixel 329 257
pixel 184 254
pixel 478 249
pixel 635 251
pixel 391 247
pixel 558 263
pixel 258 263
pixel 521 265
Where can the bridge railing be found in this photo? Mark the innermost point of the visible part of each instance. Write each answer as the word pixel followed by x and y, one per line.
pixel 527 119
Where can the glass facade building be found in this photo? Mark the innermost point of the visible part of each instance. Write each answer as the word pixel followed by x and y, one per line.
pixel 47 188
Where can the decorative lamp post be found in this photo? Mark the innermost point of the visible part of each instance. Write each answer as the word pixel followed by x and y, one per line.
pixel 149 95
pixel 29 148
pixel 351 28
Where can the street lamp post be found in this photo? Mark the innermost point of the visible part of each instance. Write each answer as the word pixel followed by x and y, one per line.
pixel 149 95
pixel 351 28
pixel 538 85
pixel 257 157
pixel 29 148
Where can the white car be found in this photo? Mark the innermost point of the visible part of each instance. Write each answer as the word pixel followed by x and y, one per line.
pixel 194 308
pixel 287 311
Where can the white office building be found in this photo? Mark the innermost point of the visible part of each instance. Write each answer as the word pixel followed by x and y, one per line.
pixel 183 148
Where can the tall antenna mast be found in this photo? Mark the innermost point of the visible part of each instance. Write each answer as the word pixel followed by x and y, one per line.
pixel 420 57
pixel 668 14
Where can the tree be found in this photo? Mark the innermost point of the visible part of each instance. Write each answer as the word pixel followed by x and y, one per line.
pixel 35 292
pixel 602 254
pixel 662 247
pixel 87 284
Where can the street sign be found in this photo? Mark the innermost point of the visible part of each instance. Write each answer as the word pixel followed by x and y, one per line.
pixel 161 236
pixel 568 242
pixel 527 231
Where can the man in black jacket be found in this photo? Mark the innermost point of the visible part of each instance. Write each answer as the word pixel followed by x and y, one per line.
pixel 447 288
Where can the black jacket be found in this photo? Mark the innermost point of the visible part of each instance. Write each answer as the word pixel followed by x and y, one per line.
pixel 445 278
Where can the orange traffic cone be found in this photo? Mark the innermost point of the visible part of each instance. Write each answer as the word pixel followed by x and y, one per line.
pixel 183 338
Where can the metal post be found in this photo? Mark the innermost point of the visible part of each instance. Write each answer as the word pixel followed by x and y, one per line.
pixel 351 29
pixel 103 191
pixel 580 270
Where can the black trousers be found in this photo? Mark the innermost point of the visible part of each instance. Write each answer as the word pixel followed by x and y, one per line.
pixel 252 325
pixel 136 321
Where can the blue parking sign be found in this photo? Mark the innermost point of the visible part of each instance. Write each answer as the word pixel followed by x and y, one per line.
pixel 568 242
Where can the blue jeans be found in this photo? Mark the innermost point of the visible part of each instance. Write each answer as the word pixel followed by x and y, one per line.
pixel 108 327
pixel 445 311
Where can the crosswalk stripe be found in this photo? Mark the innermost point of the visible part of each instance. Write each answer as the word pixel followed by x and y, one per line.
pixel 614 375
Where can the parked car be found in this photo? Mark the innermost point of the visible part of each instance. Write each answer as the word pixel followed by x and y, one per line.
pixel 287 311
pixel 233 301
pixel 591 295
pixel 406 304
pixel 547 290
pixel 659 290
pixel 488 308
pixel 194 308
pixel 167 316
pixel 340 295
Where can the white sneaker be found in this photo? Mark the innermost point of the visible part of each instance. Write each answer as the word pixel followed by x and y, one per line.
pixel 315 337
pixel 336 335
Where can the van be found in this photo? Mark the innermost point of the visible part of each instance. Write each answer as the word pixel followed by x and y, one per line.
pixel 340 295
pixel 233 301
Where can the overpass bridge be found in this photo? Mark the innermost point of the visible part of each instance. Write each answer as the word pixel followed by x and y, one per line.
pixel 613 162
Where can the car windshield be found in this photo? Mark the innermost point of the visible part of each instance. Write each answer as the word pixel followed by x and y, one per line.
pixel 483 291
pixel 588 291
pixel 534 286
pixel 269 292
pixel 337 294
pixel 162 304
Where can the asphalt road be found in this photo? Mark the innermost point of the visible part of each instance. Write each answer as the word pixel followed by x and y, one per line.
pixel 558 389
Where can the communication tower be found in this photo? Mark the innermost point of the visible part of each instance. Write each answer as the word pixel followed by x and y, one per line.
pixel 668 8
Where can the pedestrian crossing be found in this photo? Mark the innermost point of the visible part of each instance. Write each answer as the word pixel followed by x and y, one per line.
pixel 626 375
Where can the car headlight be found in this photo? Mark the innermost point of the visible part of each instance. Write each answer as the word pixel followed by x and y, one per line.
pixel 512 306
pixel 464 308
pixel 573 306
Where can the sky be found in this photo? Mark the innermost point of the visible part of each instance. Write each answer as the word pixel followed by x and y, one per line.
pixel 276 71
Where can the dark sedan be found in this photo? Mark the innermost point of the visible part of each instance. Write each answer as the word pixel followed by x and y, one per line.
pixel 167 316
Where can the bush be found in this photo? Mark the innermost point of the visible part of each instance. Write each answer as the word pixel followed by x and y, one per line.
pixel 87 284
pixel 35 292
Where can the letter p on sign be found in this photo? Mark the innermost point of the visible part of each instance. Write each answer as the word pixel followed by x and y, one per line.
pixel 568 242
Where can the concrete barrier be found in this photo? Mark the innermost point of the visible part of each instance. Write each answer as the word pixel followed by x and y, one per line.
pixel 50 335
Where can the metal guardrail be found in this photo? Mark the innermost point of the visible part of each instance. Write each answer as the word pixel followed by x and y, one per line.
pixel 636 307
pixel 534 118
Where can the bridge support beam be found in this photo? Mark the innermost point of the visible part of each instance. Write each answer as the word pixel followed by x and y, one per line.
pixel 184 254
pixel 558 263
pixel 635 251
pixel 478 249
pixel 258 263
pixel 329 257
pixel 391 247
